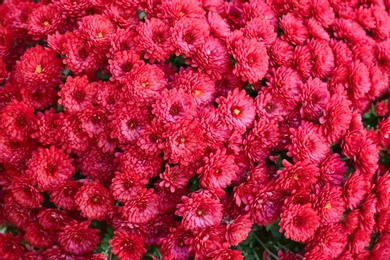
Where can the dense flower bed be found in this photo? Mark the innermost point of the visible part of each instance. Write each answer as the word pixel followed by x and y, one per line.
pixel 205 129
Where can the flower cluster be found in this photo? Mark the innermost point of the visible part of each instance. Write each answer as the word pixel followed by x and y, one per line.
pixel 183 124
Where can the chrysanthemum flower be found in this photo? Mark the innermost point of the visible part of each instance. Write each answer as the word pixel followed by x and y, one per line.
pixel 355 189
pixel 188 34
pixel 384 132
pixel 297 176
pixel 93 120
pixel 216 131
pixel 10 247
pixel 49 166
pixel 322 57
pixel 43 20
pixel 127 246
pixel 76 94
pixel 294 30
pixel 124 40
pixel 122 63
pixel 281 53
pixel 38 237
pixel 172 10
pixel 98 31
pixel 222 254
pixel 198 85
pixel 299 223
pixel 261 139
pixel 251 59
pixel 184 142
pixel 237 109
pixel 38 68
pixel 93 200
pixel 79 57
pixel 332 170
pixel 54 253
pixel 211 58
pixel 16 214
pixel 382 189
pixel 307 143
pixel 218 170
pixel 141 208
pixel 78 238
pixel 145 83
pixel 329 204
pixel 127 185
pixel 302 58
pixel 199 211
pixel 72 9
pixel 155 38
pixel 269 105
pixel 238 229
pixel 266 204
pixel 173 105
pixel 173 246
pixel 330 240
pixel 260 29
pixel 150 138
pixel 97 165
pixel 17 120
pixel 316 31
pixel 136 160
pixel 287 83
pixel 25 193
pixel 207 241
pixel 53 219
pixel 38 99
pixel 122 14
pixel 313 96
pixel 127 121
pixel 173 178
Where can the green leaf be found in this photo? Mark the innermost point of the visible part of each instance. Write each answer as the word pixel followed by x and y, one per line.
pixel 193 183
pixel 106 236
pixel 141 15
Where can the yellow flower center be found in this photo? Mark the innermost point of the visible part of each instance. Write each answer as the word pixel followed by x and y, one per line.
pixel 182 139
pixel 38 69
pixel 296 177
pixel 197 93
pixel 328 206
pixel 199 212
pixel 100 35
pixel 236 111
pixel 144 84
pixel 46 23
pixel 181 13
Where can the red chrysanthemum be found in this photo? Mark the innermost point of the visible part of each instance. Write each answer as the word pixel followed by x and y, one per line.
pixel 299 222
pixel 76 94
pixel 269 105
pixel 145 83
pixel 150 138
pixel 294 30
pixel 218 170
pixel 71 8
pixel 121 64
pixel 262 30
pixel 223 254
pixel 173 246
pixel 184 142
pixel 199 211
pixel 17 120
pixel 93 200
pixel 155 38
pixel 10 247
pixel 355 189
pixel 16 214
pixel 38 68
pixel 329 204
pixel 237 109
pixel 307 143
pixel 94 120
pixel 173 178
pixel 281 53
pixel 172 10
pixel 266 204
pixel 127 122
pixel 49 166
pixel 211 58
pixel 53 219
pixel 78 238
pixel 314 95
pixel 238 229
pixel 251 59
pixel 188 34
pixel 141 208
pixel 38 237
pixel 43 20
pixel 198 85
pixel 124 40
pixel 384 132
pixel 297 176
pixel 127 185
pixel 127 246
pixel 98 31
pixel 25 193
pixel 332 170
pixel 79 57
pixel 322 58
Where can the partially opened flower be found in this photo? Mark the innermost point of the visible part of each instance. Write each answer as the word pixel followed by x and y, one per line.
pixel 127 246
